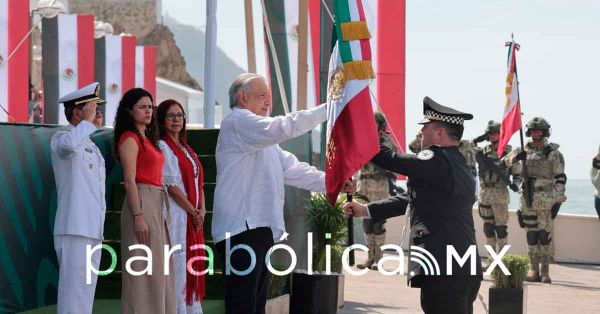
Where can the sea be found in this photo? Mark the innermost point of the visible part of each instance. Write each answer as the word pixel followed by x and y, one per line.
pixel 580 198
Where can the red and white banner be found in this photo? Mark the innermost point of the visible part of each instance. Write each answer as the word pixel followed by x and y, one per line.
pixel 14 80
pixel 387 24
pixel 68 60
pixel 145 68
pixel 116 70
pixel 511 120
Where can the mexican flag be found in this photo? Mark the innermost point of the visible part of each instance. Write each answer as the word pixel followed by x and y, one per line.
pixel 511 121
pixel 14 81
pixel 145 68
pixel 68 60
pixel 351 130
pixel 115 71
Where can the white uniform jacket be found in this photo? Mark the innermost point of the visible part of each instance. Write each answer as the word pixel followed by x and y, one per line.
pixel 80 182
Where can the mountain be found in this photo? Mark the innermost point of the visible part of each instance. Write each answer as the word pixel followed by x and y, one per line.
pixel 138 17
pixel 191 42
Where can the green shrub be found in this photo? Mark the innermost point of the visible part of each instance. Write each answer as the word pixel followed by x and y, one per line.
pixel 276 283
pixel 322 219
pixel 518 266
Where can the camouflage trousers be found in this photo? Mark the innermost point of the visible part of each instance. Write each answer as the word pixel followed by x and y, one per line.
pixel 538 225
pixel 493 209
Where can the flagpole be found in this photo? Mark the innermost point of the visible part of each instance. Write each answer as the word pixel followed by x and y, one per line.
pixel 350 232
pixel 250 49
pixel 302 54
pixel 525 185
pixel 518 94
pixel 210 68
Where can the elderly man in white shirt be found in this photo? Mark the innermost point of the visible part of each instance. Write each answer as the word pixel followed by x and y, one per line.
pixel 79 173
pixel 251 173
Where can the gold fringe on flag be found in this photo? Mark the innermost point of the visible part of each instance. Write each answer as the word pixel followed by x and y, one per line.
pixel 358 70
pixel 355 30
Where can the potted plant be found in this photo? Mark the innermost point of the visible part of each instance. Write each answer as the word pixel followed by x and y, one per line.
pixel 508 294
pixel 318 292
pixel 278 298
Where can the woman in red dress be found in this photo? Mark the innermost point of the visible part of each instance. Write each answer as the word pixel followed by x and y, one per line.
pixel 145 286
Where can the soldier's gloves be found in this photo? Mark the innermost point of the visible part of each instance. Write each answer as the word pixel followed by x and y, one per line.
pixel 521 156
pixel 514 187
pixel 596 163
pixel 555 209
pixel 481 138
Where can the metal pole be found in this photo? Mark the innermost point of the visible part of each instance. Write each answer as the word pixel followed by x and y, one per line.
pixel 250 50
pixel 350 233
pixel 302 53
pixel 210 64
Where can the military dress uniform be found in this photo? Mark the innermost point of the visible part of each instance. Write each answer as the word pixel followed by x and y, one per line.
pixel 441 194
pixel 546 183
pixel 79 173
pixel 374 185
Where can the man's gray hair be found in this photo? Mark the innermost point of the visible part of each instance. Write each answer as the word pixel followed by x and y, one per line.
pixel 240 83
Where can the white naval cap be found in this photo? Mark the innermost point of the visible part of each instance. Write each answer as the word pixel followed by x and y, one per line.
pixel 83 95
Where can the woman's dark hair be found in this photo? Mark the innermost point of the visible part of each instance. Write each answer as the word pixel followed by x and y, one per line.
pixel 161 116
pixel 124 121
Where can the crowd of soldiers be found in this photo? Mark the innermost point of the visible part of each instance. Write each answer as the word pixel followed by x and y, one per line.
pixel 535 171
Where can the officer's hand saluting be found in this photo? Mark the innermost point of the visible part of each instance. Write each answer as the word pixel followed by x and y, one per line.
pixel 88 112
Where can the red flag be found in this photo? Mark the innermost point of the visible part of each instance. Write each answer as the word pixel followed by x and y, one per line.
pixel 511 121
pixel 14 81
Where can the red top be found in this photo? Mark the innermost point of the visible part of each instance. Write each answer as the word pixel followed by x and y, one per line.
pixel 150 160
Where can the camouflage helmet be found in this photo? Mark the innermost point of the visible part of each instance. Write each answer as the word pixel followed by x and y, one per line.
pixel 492 127
pixel 380 120
pixel 538 123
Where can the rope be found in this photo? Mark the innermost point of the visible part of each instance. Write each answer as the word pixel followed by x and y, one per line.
pixel 3 64
pixel 275 60
pixel 327 9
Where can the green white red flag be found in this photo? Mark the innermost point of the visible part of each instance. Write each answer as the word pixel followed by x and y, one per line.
pixel 511 121
pixel 351 130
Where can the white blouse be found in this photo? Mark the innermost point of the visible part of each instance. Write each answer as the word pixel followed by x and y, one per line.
pixel 171 172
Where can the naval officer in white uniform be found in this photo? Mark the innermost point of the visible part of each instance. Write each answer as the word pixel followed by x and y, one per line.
pixel 80 178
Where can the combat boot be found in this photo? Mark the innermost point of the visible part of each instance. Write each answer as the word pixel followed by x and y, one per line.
pixel 534 273
pixel 501 243
pixel 378 253
pixel 370 242
pixel 546 273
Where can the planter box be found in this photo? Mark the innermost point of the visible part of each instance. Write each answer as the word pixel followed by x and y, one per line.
pixel 315 293
pixel 508 301
pixel 278 305
pixel 340 296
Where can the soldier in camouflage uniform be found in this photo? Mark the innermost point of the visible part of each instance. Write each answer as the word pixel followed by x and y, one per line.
pixel 493 198
pixel 595 174
pixel 546 185
pixel 468 148
pixel 374 184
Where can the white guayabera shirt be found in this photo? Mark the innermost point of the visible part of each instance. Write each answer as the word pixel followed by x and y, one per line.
pixel 252 170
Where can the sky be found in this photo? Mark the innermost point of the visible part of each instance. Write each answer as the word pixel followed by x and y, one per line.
pixel 455 54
